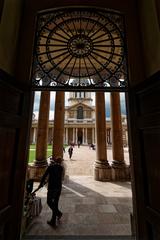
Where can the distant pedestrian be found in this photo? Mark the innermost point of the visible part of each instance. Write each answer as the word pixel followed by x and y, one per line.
pixel 92 146
pixel 79 143
pixel 70 151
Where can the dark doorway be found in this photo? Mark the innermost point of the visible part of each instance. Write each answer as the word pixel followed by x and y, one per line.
pixel 80 136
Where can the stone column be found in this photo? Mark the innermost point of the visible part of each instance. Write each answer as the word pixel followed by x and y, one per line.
pixel 58 132
pixel 34 135
pixel 67 135
pixel 42 131
pixel 39 165
pixel 110 141
pixel 92 135
pixel 76 135
pixel 64 136
pixel 83 136
pixel 102 171
pixel 87 136
pixel 118 165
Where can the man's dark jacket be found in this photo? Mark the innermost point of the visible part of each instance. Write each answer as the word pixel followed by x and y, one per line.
pixel 55 176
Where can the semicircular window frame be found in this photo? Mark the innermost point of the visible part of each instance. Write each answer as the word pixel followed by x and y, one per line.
pixel 78 48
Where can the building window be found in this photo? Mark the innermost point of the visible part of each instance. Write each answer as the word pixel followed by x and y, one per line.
pixel 80 112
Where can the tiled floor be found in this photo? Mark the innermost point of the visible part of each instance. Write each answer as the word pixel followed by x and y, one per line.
pixel 90 208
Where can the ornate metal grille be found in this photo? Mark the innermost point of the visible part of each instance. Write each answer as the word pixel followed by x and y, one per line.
pixel 80 48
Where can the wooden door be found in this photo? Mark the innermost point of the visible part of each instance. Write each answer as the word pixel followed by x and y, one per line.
pixel 145 130
pixel 14 119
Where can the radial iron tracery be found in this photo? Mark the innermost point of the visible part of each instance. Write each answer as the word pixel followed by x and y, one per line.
pixel 80 47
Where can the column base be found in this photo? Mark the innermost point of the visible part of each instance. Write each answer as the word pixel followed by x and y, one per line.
pixel 121 173
pixel 36 171
pixel 102 171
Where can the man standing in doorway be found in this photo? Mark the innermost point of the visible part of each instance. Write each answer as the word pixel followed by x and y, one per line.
pixel 55 174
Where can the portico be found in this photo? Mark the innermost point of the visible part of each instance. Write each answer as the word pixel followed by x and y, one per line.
pixel 86 128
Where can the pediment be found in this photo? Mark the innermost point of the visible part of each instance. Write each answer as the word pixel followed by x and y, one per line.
pixel 80 104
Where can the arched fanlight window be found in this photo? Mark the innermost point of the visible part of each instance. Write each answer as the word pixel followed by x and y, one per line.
pixel 80 112
pixel 80 47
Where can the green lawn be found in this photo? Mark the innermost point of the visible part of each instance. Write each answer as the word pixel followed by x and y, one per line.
pixel 32 152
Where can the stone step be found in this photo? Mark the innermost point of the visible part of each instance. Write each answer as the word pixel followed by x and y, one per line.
pixel 32 237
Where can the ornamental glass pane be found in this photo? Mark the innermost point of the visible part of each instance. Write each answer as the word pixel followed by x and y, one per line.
pixel 80 48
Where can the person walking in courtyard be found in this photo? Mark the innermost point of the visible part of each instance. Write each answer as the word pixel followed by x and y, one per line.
pixel 70 151
pixel 55 174
pixel 79 143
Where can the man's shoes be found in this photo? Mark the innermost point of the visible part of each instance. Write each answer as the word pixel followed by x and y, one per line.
pixel 59 216
pixel 52 223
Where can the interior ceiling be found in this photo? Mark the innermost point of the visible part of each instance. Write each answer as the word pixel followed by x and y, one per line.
pixel 80 47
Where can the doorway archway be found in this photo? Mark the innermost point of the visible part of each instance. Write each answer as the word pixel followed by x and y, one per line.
pixel 60 86
pixel 90 55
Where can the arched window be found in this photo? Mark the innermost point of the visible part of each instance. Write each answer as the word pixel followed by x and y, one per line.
pixel 80 112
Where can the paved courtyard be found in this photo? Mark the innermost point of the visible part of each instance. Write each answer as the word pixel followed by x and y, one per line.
pixel 89 207
pixel 83 158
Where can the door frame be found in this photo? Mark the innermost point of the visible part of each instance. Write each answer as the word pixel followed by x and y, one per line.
pixel 26 45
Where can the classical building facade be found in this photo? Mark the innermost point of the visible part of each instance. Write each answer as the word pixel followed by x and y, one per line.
pixel 79 125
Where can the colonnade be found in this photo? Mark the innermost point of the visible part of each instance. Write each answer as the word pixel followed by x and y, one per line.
pixel 103 171
pixel 86 138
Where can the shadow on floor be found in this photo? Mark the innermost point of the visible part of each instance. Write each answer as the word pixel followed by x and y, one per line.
pixel 91 210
